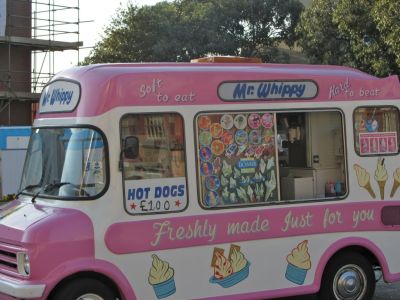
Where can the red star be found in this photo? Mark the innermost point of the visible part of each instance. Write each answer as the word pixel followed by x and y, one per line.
pixel 177 203
pixel 133 206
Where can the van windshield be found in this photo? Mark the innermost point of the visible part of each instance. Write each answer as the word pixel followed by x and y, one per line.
pixel 65 163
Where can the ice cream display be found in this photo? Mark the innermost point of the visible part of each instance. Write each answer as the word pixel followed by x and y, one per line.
pixel 241 192
pixel 298 263
pixel 270 163
pixel 259 192
pixel 237 159
pixel 396 182
pixel 381 176
pixel 229 271
pixel 161 277
pixel 270 185
pixel 226 168
pixel 251 195
pixel 363 179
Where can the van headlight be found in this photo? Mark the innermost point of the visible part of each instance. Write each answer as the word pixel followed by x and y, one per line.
pixel 23 264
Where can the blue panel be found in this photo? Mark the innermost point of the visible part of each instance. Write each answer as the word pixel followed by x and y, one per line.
pixel 12 131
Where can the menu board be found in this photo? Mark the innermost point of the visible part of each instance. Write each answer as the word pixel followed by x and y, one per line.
pixel 378 143
pixel 236 158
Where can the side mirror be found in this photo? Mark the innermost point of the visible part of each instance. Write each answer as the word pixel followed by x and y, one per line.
pixel 131 147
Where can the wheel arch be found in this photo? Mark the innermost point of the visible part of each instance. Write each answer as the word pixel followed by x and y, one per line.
pixel 85 274
pixel 351 244
pixel 90 268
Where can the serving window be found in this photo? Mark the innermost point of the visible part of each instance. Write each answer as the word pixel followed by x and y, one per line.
pixel 155 175
pixel 376 130
pixel 259 158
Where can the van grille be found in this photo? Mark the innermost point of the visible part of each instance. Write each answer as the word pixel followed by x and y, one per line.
pixel 8 259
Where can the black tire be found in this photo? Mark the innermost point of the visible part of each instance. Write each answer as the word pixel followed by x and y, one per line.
pixel 348 276
pixel 93 289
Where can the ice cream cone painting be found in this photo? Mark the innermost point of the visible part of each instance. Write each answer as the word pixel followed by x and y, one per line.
pixel 299 263
pixel 161 277
pixel 396 182
pixel 381 176
pixel 363 179
pixel 229 271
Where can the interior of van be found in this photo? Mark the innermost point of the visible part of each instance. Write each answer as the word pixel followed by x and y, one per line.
pixel 310 155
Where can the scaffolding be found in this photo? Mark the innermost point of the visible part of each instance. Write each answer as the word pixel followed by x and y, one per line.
pixel 35 30
pixel 54 22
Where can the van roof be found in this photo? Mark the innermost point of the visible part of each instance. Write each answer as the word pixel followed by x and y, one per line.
pixel 106 86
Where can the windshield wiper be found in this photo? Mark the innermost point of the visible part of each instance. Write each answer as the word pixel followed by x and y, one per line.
pixel 49 187
pixel 30 186
pixel 46 188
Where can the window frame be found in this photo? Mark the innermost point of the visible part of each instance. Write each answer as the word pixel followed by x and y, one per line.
pixel 357 152
pixel 107 167
pixel 275 112
pixel 126 115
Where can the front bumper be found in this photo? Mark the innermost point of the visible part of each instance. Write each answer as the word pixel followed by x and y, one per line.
pixel 20 289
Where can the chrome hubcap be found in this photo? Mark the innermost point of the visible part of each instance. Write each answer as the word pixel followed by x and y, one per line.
pixel 349 283
pixel 90 297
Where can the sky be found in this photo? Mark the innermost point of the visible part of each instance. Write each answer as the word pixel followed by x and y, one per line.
pixel 94 17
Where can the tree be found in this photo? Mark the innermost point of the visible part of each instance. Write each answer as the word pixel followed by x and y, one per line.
pixel 353 33
pixel 319 36
pixel 138 34
pixel 386 14
pixel 371 54
pixel 186 29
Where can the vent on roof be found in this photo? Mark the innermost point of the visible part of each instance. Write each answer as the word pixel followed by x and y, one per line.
pixel 226 59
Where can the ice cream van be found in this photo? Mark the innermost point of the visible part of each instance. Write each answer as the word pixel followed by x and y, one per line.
pixel 223 178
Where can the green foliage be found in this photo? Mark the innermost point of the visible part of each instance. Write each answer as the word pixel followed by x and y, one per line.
pixel 186 29
pixel 357 33
pixel 386 14
pixel 7 198
pixel 319 37
pixel 257 27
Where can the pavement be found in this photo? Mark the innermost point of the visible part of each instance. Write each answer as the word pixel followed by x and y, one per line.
pixel 387 291
pixel 383 291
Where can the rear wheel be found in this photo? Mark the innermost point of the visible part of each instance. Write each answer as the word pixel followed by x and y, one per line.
pixel 348 276
pixel 85 289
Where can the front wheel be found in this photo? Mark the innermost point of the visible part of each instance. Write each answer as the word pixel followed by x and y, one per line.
pixel 348 276
pixel 84 289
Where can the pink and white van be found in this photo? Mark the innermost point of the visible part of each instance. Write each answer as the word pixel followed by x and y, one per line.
pixel 207 181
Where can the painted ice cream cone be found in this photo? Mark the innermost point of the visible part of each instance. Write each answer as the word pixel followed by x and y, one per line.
pixel 382 184
pixel 370 190
pixel 381 176
pixel 363 179
pixel 395 186
pixel 396 182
